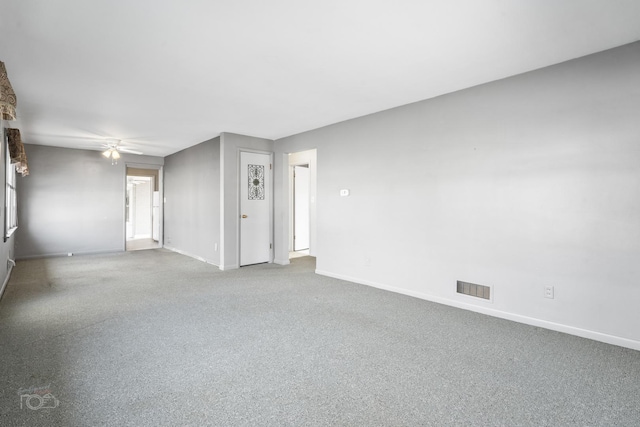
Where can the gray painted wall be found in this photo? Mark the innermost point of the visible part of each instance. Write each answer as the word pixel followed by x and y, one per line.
pixel 192 209
pixel 523 183
pixel 201 189
pixel 73 201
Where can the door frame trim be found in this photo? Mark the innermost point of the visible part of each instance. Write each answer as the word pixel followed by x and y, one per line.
pixel 292 207
pixel 150 166
pixel 238 201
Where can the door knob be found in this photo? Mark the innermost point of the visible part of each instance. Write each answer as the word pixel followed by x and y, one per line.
pixel 244 216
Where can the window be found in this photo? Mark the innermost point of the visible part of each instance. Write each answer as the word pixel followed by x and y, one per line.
pixel 11 200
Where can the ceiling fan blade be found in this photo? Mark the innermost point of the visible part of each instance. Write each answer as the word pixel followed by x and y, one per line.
pixel 90 147
pixel 127 150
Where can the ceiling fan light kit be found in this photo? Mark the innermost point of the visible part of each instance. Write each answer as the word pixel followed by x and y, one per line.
pixel 113 150
pixel 113 154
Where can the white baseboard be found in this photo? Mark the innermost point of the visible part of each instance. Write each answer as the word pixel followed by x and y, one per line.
pixel 571 330
pixel 282 261
pixel 229 267
pixel 6 281
pixel 181 252
pixel 64 254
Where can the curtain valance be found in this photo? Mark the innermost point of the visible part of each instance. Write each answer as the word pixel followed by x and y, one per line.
pixel 8 99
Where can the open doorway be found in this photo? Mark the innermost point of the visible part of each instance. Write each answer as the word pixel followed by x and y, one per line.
pixel 302 203
pixel 142 209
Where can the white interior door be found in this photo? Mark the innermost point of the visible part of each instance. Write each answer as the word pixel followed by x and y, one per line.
pixel 155 216
pixel 255 208
pixel 130 203
pixel 142 212
pixel 301 187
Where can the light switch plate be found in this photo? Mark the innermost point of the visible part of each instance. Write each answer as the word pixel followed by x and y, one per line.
pixel 344 192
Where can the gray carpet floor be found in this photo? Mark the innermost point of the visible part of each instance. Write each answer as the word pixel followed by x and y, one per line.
pixel 155 338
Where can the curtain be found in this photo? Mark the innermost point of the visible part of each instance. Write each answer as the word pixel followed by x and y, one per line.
pixel 16 151
pixel 8 99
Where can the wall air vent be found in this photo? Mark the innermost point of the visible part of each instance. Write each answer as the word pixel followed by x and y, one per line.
pixel 474 290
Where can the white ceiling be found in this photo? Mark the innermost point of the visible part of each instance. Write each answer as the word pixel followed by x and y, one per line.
pixel 164 75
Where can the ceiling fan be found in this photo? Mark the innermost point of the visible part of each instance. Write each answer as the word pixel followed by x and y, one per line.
pixel 113 149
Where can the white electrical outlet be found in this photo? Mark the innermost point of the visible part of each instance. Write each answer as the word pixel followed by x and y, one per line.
pixel 344 192
pixel 548 292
